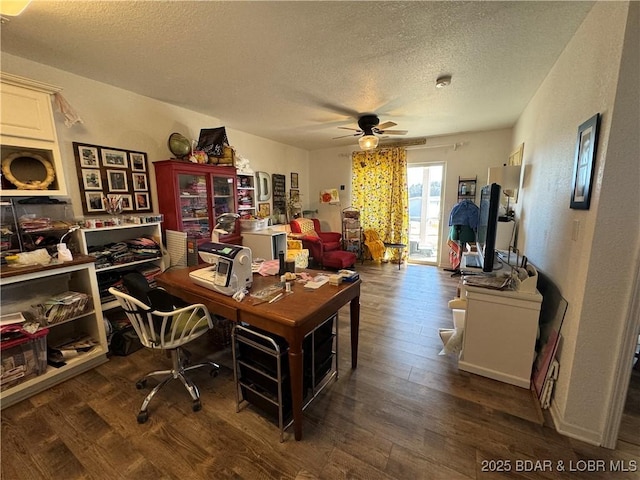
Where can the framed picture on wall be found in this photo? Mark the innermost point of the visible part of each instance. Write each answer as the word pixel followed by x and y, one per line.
pixel 117 180
pixel 89 157
pixel 264 210
pixel 138 161
pixel 294 180
pixel 142 201
pixel 114 158
pixel 91 179
pixel 94 202
pixel 127 203
pixel 104 171
pixel 585 159
pixel 140 182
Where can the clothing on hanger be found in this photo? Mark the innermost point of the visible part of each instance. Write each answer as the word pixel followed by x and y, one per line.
pixel 465 213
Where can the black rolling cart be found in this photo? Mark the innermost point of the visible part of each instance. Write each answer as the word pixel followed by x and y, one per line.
pixel 261 369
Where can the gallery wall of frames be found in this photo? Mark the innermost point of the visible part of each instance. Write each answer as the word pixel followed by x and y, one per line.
pixel 112 176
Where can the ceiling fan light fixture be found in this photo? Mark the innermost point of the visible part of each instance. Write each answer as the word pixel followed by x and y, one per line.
pixel 368 142
pixel 443 81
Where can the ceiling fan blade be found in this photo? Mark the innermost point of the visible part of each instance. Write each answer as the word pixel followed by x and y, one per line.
pixel 384 125
pixel 393 132
pixel 345 136
pixel 349 128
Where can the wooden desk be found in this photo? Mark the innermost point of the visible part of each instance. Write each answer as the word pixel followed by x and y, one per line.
pixel 292 317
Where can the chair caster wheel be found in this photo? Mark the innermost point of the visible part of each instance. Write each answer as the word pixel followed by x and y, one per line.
pixel 140 384
pixel 143 416
pixel 197 406
pixel 214 372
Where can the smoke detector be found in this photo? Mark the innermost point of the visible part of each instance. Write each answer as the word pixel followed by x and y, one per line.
pixel 443 81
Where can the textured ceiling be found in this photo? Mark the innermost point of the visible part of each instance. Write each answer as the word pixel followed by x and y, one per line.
pixel 295 71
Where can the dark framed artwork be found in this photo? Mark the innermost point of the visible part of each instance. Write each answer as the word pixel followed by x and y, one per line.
pixel 585 160
pixel 294 180
pixel 107 172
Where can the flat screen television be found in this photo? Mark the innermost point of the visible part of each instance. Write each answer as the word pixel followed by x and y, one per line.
pixel 488 225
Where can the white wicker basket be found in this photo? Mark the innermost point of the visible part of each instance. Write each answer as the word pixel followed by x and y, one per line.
pixel 253 225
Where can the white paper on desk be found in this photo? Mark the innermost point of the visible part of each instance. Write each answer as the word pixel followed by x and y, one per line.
pixel 177 247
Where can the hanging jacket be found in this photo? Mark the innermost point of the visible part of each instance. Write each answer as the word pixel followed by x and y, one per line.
pixel 465 213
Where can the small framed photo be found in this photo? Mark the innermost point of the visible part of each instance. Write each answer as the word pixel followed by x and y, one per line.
pixel 94 202
pixel 264 210
pixel 88 156
pixel 142 201
pixel 91 179
pixel 294 180
pixel 127 203
pixel 140 182
pixel 585 160
pixel 117 181
pixel 294 196
pixel 138 162
pixel 114 158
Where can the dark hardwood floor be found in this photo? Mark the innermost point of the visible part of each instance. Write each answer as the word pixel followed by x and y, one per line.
pixel 406 412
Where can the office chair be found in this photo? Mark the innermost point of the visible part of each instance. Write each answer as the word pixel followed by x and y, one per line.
pixel 167 330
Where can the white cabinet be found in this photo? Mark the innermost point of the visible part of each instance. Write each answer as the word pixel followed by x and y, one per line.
pixel 31 285
pixel 246 195
pixel 500 332
pixel 88 238
pixel 28 140
pixel 265 244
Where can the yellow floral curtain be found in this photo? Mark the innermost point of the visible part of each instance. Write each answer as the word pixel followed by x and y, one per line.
pixel 379 191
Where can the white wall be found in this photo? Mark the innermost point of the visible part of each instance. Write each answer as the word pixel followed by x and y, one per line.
pixel 121 119
pixel 331 168
pixel 593 270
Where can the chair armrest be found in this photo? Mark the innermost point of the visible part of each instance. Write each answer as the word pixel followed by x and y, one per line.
pixel 310 239
pixel 330 236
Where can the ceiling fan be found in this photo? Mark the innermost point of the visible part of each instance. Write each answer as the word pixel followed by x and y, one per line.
pixel 370 126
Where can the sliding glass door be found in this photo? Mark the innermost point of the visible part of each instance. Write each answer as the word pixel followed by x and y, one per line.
pixel 425 211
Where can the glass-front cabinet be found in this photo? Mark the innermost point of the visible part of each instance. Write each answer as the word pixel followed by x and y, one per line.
pixel 191 196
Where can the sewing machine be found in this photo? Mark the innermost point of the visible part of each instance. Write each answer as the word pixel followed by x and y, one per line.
pixel 230 269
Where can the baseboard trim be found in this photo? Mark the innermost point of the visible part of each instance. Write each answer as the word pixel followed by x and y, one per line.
pixel 573 431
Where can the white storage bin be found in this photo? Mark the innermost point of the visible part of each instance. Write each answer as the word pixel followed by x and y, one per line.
pixel 253 225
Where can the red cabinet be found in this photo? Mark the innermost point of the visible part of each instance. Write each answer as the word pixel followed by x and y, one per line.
pixel 191 196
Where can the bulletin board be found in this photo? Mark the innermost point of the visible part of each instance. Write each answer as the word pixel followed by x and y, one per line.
pixel 106 174
pixel 278 187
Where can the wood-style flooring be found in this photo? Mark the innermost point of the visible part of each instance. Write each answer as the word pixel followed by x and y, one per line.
pixel 406 412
